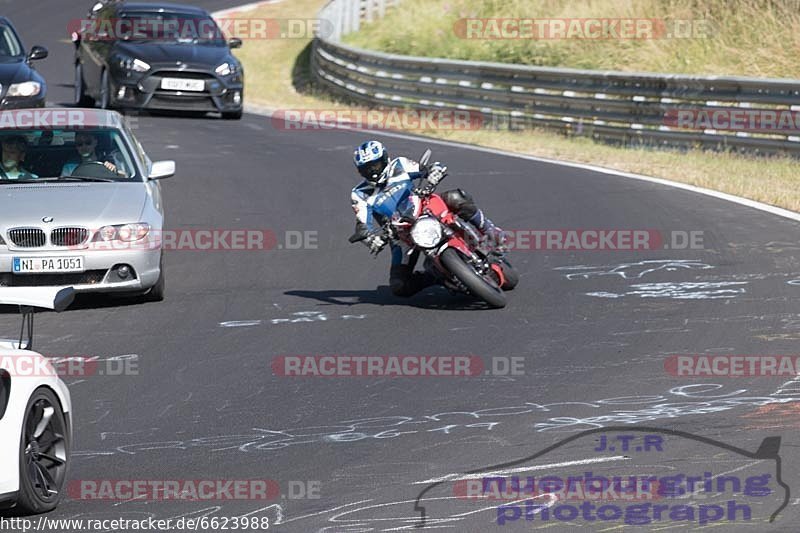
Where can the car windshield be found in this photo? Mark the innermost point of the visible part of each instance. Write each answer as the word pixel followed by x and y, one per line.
pixel 170 27
pixel 9 44
pixel 47 155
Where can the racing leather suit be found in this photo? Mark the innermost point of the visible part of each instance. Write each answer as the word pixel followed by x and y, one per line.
pixel 375 205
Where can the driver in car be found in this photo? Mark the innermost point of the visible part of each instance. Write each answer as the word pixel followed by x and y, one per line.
pixel 14 149
pixel 86 146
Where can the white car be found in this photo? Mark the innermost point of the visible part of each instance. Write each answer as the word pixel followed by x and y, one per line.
pixel 35 412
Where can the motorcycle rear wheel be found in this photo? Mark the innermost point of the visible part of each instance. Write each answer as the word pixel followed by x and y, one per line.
pixel 478 286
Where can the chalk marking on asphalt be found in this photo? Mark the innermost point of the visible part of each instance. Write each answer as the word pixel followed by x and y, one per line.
pixel 323 512
pixel 785 213
pixel 481 475
pixel 704 290
pixel 239 323
pixel 300 316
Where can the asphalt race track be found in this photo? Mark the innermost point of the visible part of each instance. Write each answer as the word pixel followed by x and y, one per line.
pixel 206 404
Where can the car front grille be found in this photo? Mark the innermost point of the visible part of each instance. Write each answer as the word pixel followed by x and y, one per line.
pixel 68 236
pixel 27 237
pixel 90 277
pixel 182 103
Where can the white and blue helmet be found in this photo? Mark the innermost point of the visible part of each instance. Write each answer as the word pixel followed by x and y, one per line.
pixel 371 159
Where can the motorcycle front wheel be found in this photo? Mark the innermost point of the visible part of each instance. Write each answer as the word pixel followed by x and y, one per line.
pixel 478 286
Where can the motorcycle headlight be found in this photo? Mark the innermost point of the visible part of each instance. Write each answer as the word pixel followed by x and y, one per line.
pixel 426 232
pixel 136 65
pixel 26 88
pixel 123 232
pixel 225 69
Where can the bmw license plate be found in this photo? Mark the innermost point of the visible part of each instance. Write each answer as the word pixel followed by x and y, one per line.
pixel 42 265
pixel 180 84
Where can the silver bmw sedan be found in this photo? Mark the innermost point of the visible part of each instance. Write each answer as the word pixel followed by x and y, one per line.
pixel 80 203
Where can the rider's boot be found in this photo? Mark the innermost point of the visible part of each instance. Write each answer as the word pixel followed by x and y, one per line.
pixel 495 237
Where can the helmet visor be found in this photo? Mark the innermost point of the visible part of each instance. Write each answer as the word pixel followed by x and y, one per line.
pixel 371 171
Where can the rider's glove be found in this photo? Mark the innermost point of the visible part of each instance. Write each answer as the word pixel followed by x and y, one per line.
pixel 376 243
pixel 425 188
pixel 436 173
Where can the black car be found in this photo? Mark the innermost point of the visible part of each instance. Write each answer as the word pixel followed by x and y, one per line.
pixel 157 56
pixel 21 85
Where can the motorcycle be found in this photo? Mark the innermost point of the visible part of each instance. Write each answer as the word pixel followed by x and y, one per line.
pixel 454 251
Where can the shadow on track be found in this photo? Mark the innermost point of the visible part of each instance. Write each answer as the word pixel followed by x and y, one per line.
pixel 431 298
pixel 86 301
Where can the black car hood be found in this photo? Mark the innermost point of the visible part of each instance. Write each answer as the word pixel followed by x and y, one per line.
pixel 14 71
pixel 160 53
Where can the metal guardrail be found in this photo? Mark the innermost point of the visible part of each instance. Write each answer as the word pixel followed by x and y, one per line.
pixel 623 107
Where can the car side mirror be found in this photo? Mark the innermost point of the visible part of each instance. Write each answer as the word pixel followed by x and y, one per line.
pixel 235 42
pixel 37 52
pixel 161 169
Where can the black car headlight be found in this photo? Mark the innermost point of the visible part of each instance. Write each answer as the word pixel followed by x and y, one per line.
pixel 132 64
pixel 227 69
pixel 25 89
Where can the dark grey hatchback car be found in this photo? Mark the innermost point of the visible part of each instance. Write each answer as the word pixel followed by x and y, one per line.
pixel 20 84
pixel 156 56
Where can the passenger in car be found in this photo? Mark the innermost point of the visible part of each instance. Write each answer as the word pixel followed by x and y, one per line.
pixel 14 150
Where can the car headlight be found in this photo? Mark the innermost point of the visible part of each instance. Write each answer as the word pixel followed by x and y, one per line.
pixel 26 88
pixel 225 69
pixel 426 232
pixel 123 232
pixel 136 65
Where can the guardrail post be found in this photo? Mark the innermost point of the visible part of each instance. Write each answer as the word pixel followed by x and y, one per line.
pixel 356 15
pixel 345 16
pixel 369 11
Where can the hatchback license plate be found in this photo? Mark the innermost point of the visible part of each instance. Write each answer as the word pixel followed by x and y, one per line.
pixel 179 84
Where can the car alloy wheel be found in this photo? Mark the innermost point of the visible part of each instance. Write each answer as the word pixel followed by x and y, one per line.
pixel 44 451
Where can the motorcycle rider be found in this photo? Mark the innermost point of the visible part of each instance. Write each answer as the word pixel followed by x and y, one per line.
pixel 389 181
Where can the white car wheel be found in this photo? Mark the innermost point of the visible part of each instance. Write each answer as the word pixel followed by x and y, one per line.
pixel 43 454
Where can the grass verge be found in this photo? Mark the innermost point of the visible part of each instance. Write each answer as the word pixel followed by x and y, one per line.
pixel 741 37
pixel 277 78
